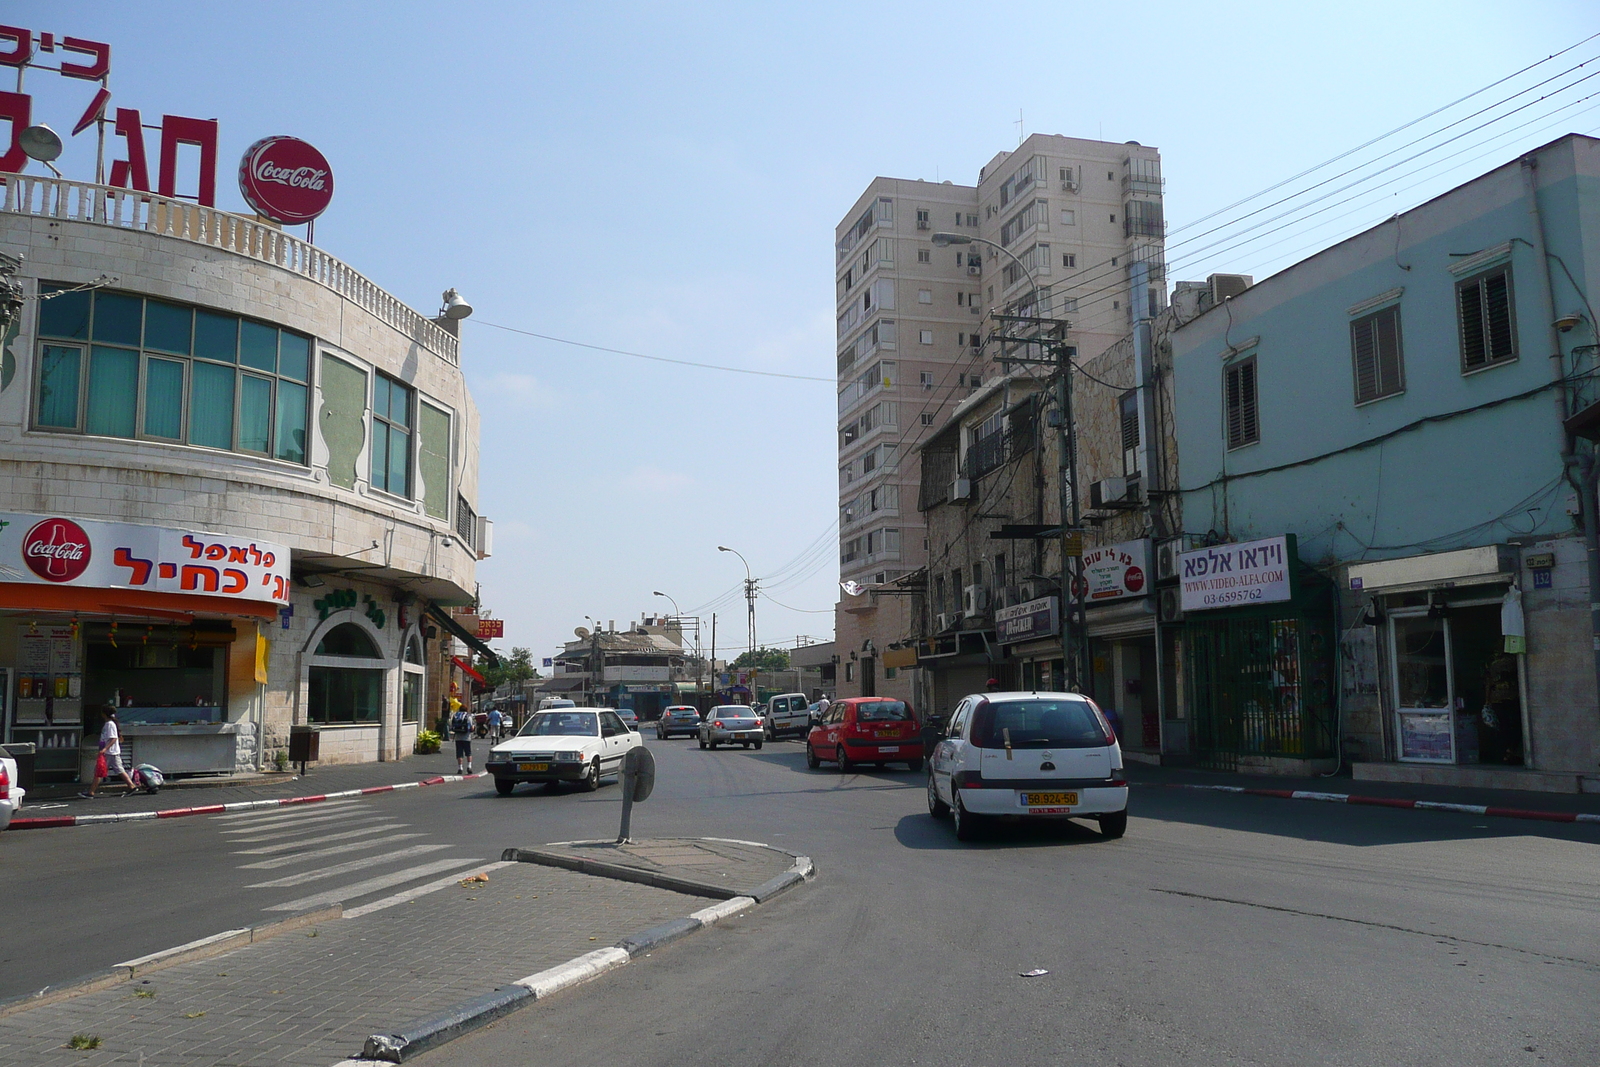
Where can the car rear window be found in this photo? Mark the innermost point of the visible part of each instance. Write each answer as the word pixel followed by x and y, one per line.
pixel 1039 724
pixel 732 711
pixel 883 711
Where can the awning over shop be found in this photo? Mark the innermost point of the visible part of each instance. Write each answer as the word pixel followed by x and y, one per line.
pixel 467 668
pixel 560 684
pixel 455 628
pixel 1466 566
pixel 1131 618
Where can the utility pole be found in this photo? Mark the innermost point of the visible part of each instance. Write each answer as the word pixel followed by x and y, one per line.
pixel 712 662
pixel 750 598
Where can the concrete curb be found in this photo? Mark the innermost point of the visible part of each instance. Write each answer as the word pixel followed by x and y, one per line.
pixel 50 821
pixel 199 949
pixel 1395 802
pixel 621 872
pixel 438 1029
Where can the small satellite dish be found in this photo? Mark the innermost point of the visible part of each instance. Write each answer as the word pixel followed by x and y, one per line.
pixel 41 143
pixel 582 632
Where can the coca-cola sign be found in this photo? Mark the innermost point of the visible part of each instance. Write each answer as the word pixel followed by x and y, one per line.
pixel 286 180
pixel 57 550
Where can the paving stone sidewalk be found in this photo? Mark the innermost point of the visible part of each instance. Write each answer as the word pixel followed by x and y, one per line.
pixel 194 792
pixel 310 998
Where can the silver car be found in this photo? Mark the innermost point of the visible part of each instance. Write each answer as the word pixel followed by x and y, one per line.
pixel 678 719
pixel 731 724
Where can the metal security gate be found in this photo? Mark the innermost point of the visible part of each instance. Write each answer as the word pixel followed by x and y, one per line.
pixel 1258 687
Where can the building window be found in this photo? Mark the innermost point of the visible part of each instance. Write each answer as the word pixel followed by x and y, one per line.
pixel 1143 218
pixel 972 220
pixel 927 379
pixel 1376 355
pixel 924 296
pixel 1239 393
pixel 159 371
pixel 340 694
pixel 927 418
pixel 924 255
pixel 391 435
pixel 1488 327
pixel 466 522
pixel 1128 411
pixel 925 337
pixel 923 219
pixel 1069 261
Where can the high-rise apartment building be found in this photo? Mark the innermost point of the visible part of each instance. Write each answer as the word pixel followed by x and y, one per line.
pixel 1072 219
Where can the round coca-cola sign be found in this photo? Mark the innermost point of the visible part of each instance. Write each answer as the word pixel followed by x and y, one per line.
pixel 1133 579
pixel 57 550
pixel 286 180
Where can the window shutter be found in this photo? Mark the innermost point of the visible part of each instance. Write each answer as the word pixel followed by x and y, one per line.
pixel 1240 388
pixel 1497 316
pixel 1470 301
pixel 1391 378
pixel 1363 351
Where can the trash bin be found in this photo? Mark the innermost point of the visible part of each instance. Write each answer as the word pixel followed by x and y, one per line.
pixel 23 753
pixel 304 743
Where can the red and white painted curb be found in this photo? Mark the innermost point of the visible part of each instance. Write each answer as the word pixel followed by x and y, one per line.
pixel 1396 802
pixel 49 821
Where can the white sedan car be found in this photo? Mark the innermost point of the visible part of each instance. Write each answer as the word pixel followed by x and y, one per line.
pixel 580 745
pixel 1029 756
pixel 11 794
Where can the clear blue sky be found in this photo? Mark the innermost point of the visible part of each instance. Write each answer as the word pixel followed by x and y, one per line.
pixel 666 178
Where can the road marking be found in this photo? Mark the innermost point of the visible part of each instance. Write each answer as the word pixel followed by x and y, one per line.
pixel 348 866
pixel 274 812
pixel 372 885
pixel 354 846
pixel 420 891
pixel 278 833
pixel 306 820
pixel 286 846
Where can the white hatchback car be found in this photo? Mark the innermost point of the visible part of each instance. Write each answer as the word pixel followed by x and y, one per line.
pixel 579 745
pixel 1030 755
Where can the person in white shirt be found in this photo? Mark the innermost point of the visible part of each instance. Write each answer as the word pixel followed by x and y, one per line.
pixel 111 752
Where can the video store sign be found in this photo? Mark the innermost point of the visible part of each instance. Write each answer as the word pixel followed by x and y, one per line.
pixel 54 550
pixel 1117 572
pixel 1238 575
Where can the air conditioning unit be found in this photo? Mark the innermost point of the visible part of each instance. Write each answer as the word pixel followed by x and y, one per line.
pixel 1108 491
pixel 923 224
pixel 485 537
pixel 961 489
pixel 975 271
pixel 946 620
pixel 974 600
pixel 1227 286
pixel 1068 185
pixel 1169 604
pixel 1167 553
pixel 976 311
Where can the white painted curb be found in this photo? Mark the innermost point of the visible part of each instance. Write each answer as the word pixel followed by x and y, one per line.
pixel 725 910
pixel 589 965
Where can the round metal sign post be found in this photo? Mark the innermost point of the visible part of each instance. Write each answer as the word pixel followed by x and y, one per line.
pixel 638 782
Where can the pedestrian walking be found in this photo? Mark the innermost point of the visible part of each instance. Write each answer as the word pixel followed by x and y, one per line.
pixel 461 730
pixel 109 761
pixel 496 723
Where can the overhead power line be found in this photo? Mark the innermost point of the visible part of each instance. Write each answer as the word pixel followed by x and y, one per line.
pixel 656 359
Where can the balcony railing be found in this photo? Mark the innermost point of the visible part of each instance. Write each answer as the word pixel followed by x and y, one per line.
pixel 127 209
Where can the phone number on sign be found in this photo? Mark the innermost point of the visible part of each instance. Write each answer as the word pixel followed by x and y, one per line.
pixel 1234 596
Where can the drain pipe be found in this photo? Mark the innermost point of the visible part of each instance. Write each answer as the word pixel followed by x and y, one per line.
pixel 1576 463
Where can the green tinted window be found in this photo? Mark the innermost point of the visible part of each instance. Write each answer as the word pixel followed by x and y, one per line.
pixel 113 391
pixel 163 398
pixel 166 327
pixel 63 314
pixel 433 459
pixel 294 355
pixel 117 318
pixel 211 406
pixel 255 414
pixel 59 370
pixel 216 336
pixel 290 430
pixel 258 345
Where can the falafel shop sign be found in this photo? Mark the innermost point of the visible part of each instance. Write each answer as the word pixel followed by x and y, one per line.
pixel 54 550
pixel 282 178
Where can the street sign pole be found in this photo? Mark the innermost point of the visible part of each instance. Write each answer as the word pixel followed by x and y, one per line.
pixel 638 782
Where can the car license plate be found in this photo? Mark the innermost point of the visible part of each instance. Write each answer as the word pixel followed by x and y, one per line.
pixel 888 748
pixel 1051 799
pixel 533 766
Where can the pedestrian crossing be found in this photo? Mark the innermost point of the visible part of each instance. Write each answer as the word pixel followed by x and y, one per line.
pixel 344 851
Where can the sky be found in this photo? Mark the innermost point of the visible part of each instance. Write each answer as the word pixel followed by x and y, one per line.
pixel 665 179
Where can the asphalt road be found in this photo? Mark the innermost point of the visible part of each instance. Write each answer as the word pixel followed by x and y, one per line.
pixel 1222 929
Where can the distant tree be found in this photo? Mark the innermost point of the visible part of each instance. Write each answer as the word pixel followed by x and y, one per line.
pixel 514 669
pixel 763 659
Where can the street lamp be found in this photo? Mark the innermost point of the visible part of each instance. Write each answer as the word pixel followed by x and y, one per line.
pixel 944 240
pixel 675 610
pixel 749 596
pixel 678 614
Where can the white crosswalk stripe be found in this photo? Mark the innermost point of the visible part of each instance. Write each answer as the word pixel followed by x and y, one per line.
pixel 332 840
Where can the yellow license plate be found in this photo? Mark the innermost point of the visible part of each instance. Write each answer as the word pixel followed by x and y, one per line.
pixel 541 767
pixel 1037 799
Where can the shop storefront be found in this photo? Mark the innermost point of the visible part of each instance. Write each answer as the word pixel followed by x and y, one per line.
pixel 1121 621
pixel 1451 644
pixel 1030 635
pixel 1256 650
pixel 165 625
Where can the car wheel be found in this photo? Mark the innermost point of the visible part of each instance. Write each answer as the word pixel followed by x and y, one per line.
pixel 1114 824
pixel 714 745
pixel 936 807
pixel 591 781
pixel 968 826
pixel 844 764
pixel 811 757
pixel 504 786
pixel 747 746
pixel 758 746
pixel 914 765
pixel 702 744
pixel 769 733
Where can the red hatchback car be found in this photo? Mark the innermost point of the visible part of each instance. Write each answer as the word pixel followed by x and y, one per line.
pixel 872 730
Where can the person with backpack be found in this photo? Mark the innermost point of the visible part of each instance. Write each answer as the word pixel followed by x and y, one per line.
pixel 461 730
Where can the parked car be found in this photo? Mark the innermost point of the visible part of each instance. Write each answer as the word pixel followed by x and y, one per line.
pixel 547 703
pixel 873 730
pixel 11 793
pixel 629 718
pixel 1028 755
pixel 580 745
pixel 787 714
pixel 730 724
pixel 678 719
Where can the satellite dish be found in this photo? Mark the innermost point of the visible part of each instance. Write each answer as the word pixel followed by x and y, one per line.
pixel 41 143
pixel 582 632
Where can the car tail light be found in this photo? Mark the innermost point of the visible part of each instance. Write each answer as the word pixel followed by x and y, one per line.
pixel 717 723
pixel 1119 776
pixel 966 780
pixel 5 783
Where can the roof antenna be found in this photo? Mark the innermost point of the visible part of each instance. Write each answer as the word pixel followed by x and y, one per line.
pixel 1019 127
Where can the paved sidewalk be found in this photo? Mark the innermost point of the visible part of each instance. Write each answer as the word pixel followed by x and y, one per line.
pixel 195 792
pixel 1523 800
pixel 311 998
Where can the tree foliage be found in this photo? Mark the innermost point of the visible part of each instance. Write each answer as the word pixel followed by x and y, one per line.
pixel 763 659
pixel 515 668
